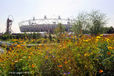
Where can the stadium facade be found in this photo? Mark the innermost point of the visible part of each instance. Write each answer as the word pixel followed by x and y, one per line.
pixel 45 24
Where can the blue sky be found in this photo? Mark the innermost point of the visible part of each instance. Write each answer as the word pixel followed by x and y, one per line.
pixel 26 9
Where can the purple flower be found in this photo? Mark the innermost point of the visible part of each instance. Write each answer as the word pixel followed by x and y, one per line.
pixel 68 72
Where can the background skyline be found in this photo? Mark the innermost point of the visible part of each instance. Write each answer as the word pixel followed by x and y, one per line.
pixel 26 9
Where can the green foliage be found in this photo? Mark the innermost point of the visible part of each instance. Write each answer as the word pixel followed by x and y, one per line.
pixel 110 30
pixel 20 36
pixel 98 20
pixel 60 29
pixel 80 24
pixel 92 23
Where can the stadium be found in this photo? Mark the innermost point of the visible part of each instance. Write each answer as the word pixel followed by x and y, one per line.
pixel 45 24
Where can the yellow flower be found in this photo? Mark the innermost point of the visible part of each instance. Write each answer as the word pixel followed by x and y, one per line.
pixel 98 37
pixel 1 60
pixel 107 39
pixel 31 53
pixel 20 59
pixel 72 36
pixel 50 52
pixel 110 47
pixel 86 54
pixel 29 57
pixel 86 40
pixel 101 35
pixel 16 61
pixel 96 40
pixel 14 40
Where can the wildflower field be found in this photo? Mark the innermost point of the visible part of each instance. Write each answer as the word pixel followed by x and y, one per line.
pixel 65 56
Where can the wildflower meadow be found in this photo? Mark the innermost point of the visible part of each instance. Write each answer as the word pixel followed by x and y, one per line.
pixel 65 56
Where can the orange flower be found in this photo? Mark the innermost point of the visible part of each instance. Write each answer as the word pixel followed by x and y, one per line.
pixel 100 71
pixel 60 66
pixel 108 53
pixel 46 57
pixel 20 41
pixel 33 65
pixel 65 62
pixel 19 46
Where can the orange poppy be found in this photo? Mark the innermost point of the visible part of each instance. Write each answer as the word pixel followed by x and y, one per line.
pixel 33 65
pixel 65 62
pixel 100 71
pixel 59 66
pixel 108 53
pixel 19 46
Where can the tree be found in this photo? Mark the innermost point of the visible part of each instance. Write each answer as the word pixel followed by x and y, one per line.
pixel 97 22
pixel 80 24
pixel 77 28
pixel 60 29
pixel 110 30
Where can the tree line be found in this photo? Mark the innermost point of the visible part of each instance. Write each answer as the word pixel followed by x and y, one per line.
pixel 93 23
